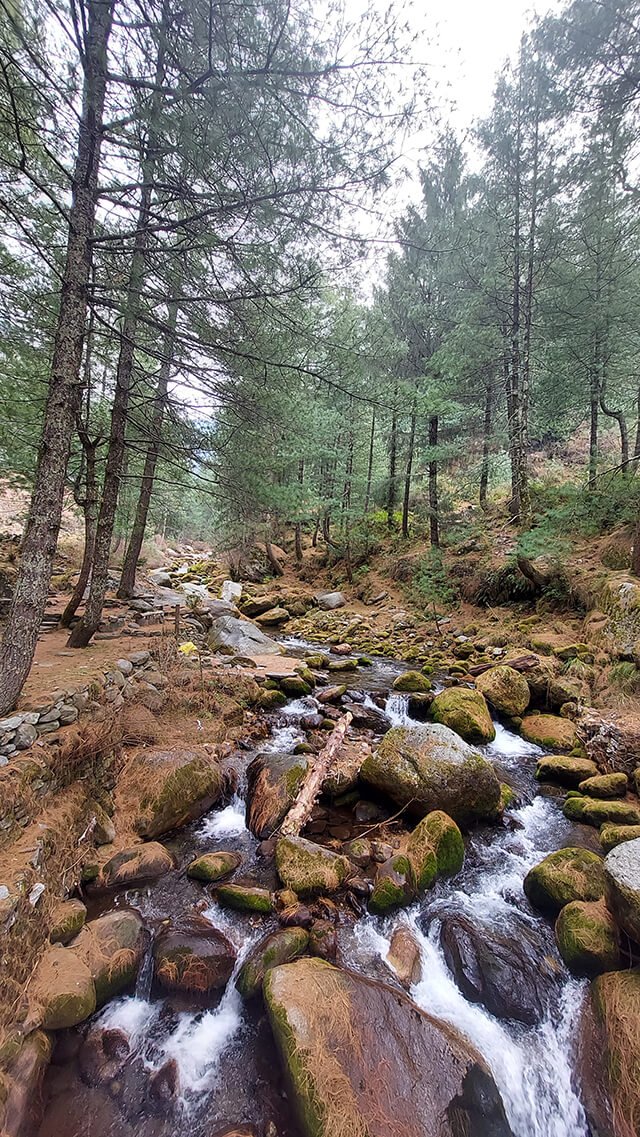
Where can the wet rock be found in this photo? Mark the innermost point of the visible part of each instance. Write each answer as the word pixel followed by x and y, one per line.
pixel 183 785
pixel 403 956
pixel 367 718
pixel 196 959
pixel 331 694
pixel 273 780
pixel 295 915
pixel 566 875
pixel 346 768
pixel 62 992
pixel 394 885
pixel 565 770
pixel 294 686
pixel 419 707
pixel 102 1055
pixel 466 712
pixel 587 938
pixel 308 868
pixel 342 665
pixel 429 767
pixel 134 866
pixel 323 939
pixel 622 875
pixel 214 866
pixel 505 689
pixel 164 1084
pixel 348 1074
pixel 22 1100
pixel 359 851
pixel 610 1056
pixel 612 835
pixel 412 681
pixel 112 947
pixel 594 811
pixel 67 920
pixel 549 731
pixel 435 846
pixel 329 600
pixel 278 948
pixel 245 898
pixel 605 786
pixel 509 972
pixel 366 812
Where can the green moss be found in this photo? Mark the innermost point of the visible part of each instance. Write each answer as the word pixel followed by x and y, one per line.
pixel 213 866
pixel 549 731
pixel 592 811
pixel 294 686
pixel 68 919
pixel 393 886
pixel 612 835
pixel 411 681
pixel 466 712
pixel 343 665
pixel 587 938
pixel 245 898
pixel 445 839
pixel 269 700
pixel 605 786
pixel 186 792
pixel 566 875
pixel 566 770
pixel 308 868
pixel 278 948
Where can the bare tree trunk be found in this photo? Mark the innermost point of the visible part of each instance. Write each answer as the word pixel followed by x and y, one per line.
pixel 64 395
pixel 636 447
pixel 635 552
pixel 434 522
pixel 621 420
pixel 393 458
pixel 90 507
pixel 486 443
pixel 300 811
pixel 272 559
pixel 367 496
pixel 408 470
pixel 132 555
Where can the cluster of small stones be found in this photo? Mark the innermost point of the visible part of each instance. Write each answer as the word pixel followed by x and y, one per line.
pixel 21 730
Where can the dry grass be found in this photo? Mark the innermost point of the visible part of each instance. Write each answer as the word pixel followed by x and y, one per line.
pixel 620 1010
pixel 140 726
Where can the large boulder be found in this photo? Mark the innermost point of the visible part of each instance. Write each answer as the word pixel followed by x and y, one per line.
pixel 308 868
pixel 565 770
pixel 273 780
pixel 605 786
pixel 112 947
pixel 610 1055
pixel 508 971
pixel 429 767
pixel 587 938
pixel 622 875
pixel 273 950
pixel 134 866
pixel 329 600
pixel 466 712
pixel 566 875
pixel 232 636
pixel 505 689
pixel 21 1096
pixel 611 739
pixel 361 1058
pixel 612 835
pixel 549 731
pixel 62 991
pixel 412 681
pixel 182 785
pixel 620 602
pixel 595 811
pixel 195 958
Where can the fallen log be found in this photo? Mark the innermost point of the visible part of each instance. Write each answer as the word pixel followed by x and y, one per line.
pixel 522 663
pixel 300 811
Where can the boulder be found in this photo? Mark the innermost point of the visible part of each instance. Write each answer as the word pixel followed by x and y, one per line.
pixel 183 785
pixel 294 686
pixel 429 767
pixel 278 948
pixel 439 833
pixel 394 885
pixel 22 1094
pixel 612 835
pixel 403 956
pixel 112 947
pixel 622 875
pixel 549 731
pixel 272 617
pixel 594 811
pixel 466 712
pixel 331 694
pixel 233 636
pixel 66 921
pixel 508 971
pixel 346 768
pixel 329 600
pixel 620 601
pixel 605 786
pixel 412 681
pixel 273 781
pixel 102 1055
pixel 587 938
pixel 245 898
pixel 567 771
pixel 505 689
pixel 195 958
pixel 566 875
pixel 134 866
pixel 230 591
pixel 62 991
pixel 349 1075
pixel 308 868
pixel 610 1030
pixel 214 866
pixel 323 939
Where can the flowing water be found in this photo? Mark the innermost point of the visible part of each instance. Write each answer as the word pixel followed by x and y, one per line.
pixel 226 1069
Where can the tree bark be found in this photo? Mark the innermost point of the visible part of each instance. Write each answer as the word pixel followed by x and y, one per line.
pixel 407 477
pixel 635 552
pixel 132 555
pixel 90 507
pixel 300 811
pixel 486 443
pixel 272 559
pixel 367 496
pixel 64 395
pixel 434 522
pixel 621 420
pixel 393 457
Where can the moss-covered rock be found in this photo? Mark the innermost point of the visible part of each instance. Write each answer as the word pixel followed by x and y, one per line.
pixel 294 686
pixel 595 811
pixel 437 833
pixel 612 835
pixel 183 785
pixel 566 875
pixel 134 866
pixel 196 959
pixel 270 700
pixel 278 948
pixel 112 947
pixel 272 616
pixel 605 786
pixel 504 689
pixel 466 712
pixel 245 898
pixel 62 991
pixel 587 938
pixel 565 770
pixel 317 661
pixel 66 921
pixel 343 665
pixel 549 731
pixel 622 875
pixel 273 780
pixel 429 767
pixel 308 868
pixel 214 866
pixel 412 681
pixel 393 886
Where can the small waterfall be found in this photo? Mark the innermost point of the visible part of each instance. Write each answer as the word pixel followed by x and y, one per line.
pixel 228 822
pixel 396 709
pixel 145 975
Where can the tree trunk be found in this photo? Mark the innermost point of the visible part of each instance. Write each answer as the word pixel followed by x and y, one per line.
pixel 272 559
pixel 621 420
pixel 486 443
pixel 63 399
pixel 90 507
pixel 636 447
pixel 393 458
pixel 367 496
pixel 434 524
pixel 635 552
pixel 86 628
pixel 132 555
pixel 301 810
pixel 408 470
